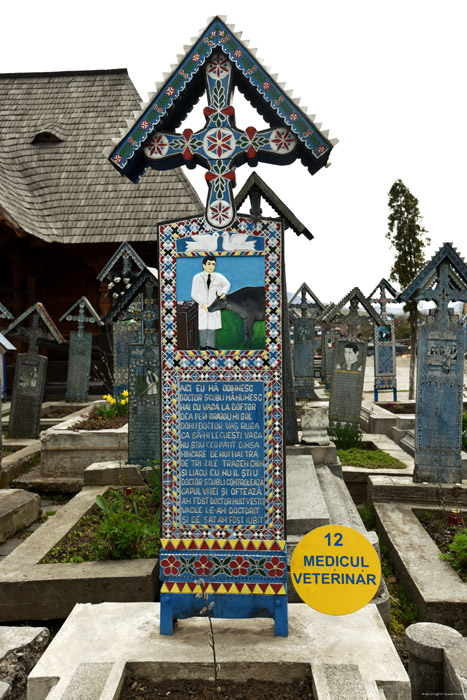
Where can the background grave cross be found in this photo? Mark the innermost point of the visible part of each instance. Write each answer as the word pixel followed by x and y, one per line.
pixel 82 317
pixel 443 293
pixel 147 314
pixel 220 146
pixel 34 333
pixel 353 319
pixel 385 290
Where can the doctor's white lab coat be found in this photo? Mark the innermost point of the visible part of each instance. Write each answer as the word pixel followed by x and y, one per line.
pixel 202 295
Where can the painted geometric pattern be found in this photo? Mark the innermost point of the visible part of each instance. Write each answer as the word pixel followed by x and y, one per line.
pixel 218 35
pixel 386 382
pixel 242 588
pixel 223 551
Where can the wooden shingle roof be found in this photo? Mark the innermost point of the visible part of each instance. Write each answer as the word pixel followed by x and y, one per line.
pixel 61 187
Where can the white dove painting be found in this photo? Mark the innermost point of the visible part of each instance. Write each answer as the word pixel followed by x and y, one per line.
pixel 202 242
pixel 236 241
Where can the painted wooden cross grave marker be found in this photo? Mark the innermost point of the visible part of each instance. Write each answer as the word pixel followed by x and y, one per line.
pixel 79 354
pixel 30 370
pixel 144 417
pixel 384 341
pixel 223 517
pixel 304 314
pixel 440 369
pixel 349 360
pixel 119 273
pixel 329 337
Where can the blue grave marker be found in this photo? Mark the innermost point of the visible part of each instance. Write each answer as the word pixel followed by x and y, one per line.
pixel 119 273
pixel 144 417
pixel 440 369
pixel 79 353
pixel 223 518
pixel 384 342
pixel 304 314
pixel 35 325
pixel 349 359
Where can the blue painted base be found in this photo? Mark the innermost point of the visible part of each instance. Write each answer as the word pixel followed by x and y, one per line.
pixel 231 606
pixel 394 394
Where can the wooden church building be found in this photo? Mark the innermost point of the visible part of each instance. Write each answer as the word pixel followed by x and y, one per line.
pixel 64 210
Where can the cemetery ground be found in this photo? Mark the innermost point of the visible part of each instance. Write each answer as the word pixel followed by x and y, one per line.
pixel 421 585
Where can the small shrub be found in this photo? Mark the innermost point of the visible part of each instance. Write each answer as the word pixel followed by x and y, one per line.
pixel 345 435
pixel 464 431
pixel 457 555
pixel 115 406
pixel 125 531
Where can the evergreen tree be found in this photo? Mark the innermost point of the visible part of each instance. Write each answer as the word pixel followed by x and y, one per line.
pixel 408 236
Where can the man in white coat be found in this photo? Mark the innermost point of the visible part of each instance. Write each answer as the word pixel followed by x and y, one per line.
pixel 206 286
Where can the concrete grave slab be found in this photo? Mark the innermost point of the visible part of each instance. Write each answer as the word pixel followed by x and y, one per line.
pixel 20 649
pixel 67 451
pixel 306 508
pixel 18 509
pixel 129 633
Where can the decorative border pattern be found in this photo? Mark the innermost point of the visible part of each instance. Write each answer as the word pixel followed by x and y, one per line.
pixel 201 546
pixel 218 35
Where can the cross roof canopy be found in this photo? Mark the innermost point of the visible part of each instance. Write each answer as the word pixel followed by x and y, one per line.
pixel 41 326
pixel 216 62
pixel 447 269
pixel 256 189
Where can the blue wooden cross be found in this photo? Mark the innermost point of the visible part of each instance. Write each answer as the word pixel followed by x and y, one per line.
pixel 220 146
pixel 443 293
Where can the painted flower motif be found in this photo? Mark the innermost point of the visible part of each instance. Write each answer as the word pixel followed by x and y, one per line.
pixel 118 158
pixel 238 53
pixel 220 213
pixel 321 149
pixel 218 66
pixel 170 91
pixel 182 73
pixel 158 145
pixel 144 124
pixel 221 32
pixel 294 116
pixel 203 566
pixel 213 33
pixel 282 140
pixel 239 566
pixel 195 57
pixel 266 85
pixel 170 565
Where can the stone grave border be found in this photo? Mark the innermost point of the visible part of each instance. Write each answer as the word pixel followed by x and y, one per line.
pixel 377 419
pixel 356 478
pixel 61 444
pixel 441 596
pixel 33 591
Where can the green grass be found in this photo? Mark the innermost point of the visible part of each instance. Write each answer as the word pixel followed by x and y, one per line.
pixel 232 335
pixel 369 459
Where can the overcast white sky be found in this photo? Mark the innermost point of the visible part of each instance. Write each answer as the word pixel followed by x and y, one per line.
pixel 388 79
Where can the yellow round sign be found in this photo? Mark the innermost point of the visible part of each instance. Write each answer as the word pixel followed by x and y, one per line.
pixel 335 570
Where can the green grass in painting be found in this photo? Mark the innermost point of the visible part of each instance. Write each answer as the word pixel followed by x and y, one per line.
pixel 232 335
pixel 369 459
